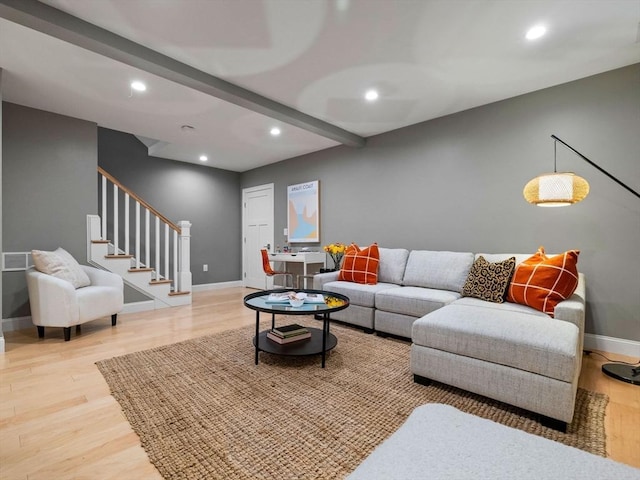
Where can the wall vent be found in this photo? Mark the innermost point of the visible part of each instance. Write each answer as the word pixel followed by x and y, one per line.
pixel 16 261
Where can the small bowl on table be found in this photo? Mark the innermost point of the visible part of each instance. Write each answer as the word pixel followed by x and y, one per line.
pixel 296 302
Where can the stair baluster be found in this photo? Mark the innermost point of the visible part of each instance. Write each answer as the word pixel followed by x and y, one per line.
pixel 116 222
pixel 137 234
pixel 157 262
pixel 147 238
pixel 126 224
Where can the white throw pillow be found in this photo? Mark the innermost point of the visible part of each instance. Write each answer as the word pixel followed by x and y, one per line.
pixel 62 265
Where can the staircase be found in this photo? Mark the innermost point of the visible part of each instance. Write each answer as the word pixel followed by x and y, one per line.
pixel 155 261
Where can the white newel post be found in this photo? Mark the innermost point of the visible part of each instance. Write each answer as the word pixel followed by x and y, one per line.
pixel 93 232
pixel 184 252
pixel 104 208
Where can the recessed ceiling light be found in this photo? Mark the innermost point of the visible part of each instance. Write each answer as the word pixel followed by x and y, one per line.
pixel 275 131
pixel 203 158
pixel 342 5
pixel 138 86
pixel 371 95
pixel 536 32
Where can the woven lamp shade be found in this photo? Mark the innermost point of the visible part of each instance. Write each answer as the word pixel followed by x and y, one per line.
pixel 556 190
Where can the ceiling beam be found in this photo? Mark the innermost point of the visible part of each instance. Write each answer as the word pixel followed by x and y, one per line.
pixel 56 23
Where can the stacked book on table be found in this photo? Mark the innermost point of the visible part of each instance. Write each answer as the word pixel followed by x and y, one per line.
pixel 284 297
pixel 288 334
pixel 280 297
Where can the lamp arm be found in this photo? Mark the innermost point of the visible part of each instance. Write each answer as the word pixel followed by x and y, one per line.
pixel 596 166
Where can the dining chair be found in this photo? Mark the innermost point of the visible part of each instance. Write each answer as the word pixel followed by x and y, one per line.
pixel 270 272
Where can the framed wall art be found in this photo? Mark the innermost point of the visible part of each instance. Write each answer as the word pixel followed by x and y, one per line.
pixel 303 212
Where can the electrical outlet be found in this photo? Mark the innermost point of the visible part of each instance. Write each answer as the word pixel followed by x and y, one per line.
pixel 205 268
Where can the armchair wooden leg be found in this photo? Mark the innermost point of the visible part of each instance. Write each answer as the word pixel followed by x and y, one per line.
pixel 78 329
pixel 40 331
pixel 114 319
pixel 67 333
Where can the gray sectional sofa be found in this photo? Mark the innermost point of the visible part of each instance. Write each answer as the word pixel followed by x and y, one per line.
pixel 505 351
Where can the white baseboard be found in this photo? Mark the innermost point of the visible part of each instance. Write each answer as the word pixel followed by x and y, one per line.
pixel 216 286
pixel 21 323
pixel 620 346
pixel 1 344
pixel 16 323
pixel 134 307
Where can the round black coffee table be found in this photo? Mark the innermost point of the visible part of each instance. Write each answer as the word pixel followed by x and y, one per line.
pixel 321 341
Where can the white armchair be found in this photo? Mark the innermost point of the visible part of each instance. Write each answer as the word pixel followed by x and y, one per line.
pixel 56 303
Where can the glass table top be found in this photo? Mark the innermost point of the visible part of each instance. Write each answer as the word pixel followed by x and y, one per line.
pixel 315 301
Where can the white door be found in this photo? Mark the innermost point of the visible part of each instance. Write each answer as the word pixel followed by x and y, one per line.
pixel 257 227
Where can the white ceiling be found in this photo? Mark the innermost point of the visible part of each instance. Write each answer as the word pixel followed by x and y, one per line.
pixel 427 58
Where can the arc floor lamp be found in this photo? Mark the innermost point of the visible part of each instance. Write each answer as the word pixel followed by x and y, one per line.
pixel 559 189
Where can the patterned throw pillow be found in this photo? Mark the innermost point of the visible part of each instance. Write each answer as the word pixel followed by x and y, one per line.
pixel 489 281
pixel 360 266
pixel 542 282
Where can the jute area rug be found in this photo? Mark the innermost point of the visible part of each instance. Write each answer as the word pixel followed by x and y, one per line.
pixel 203 410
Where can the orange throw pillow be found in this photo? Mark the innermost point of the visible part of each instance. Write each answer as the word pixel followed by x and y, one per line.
pixel 360 266
pixel 542 282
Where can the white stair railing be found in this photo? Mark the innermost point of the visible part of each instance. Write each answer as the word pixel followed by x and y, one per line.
pixel 166 250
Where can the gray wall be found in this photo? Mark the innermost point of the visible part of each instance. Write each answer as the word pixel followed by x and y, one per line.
pixel 209 198
pixel 48 187
pixel 455 183
pixel 1 302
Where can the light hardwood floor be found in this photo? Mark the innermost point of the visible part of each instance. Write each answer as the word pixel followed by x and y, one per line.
pixel 58 420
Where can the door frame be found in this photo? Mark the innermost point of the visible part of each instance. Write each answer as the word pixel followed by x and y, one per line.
pixel 245 192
